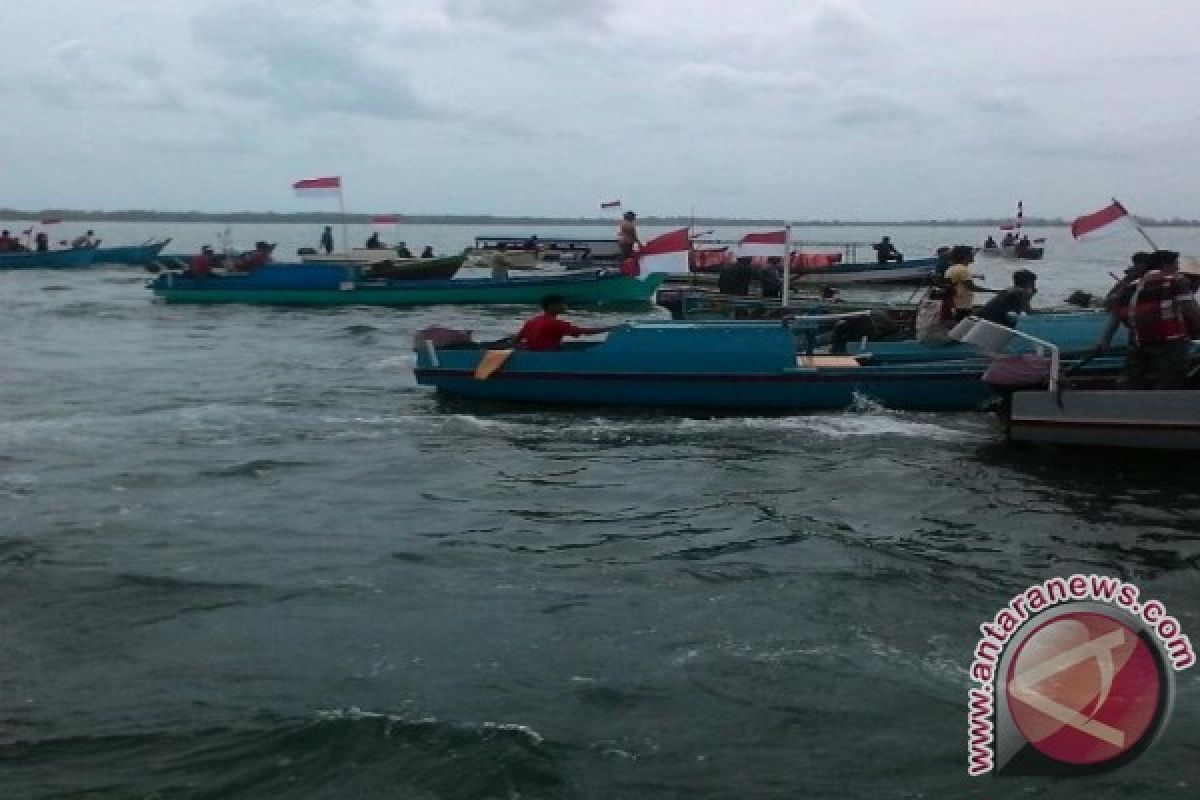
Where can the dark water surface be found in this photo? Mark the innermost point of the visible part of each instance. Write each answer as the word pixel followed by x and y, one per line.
pixel 242 555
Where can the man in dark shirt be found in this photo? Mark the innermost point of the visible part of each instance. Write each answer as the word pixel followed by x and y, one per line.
pixel 1003 308
pixel 885 251
pixel 1162 316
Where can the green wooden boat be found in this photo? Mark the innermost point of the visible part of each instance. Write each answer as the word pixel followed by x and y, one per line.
pixel 287 287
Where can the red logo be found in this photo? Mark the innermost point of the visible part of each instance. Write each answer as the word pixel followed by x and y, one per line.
pixel 1084 688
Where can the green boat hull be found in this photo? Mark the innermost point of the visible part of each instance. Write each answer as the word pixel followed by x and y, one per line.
pixel 607 290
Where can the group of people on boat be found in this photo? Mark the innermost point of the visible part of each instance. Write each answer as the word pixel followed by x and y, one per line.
pixel 402 251
pixel 952 298
pixel 202 264
pixel 1022 245
pixel 41 242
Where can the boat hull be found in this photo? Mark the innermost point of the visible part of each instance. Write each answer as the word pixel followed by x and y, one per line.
pixel 1144 420
pixel 137 255
pixel 576 290
pixel 78 258
pixel 1013 253
pixel 705 366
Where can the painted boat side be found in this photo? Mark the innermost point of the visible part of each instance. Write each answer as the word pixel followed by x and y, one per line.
pixel 51 259
pixel 137 254
pixel 1149 420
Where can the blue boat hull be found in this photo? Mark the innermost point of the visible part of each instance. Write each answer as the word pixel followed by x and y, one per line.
pixel 51 259
pixel 704 366
pixel 137 254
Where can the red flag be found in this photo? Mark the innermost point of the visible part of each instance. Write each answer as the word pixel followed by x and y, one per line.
pixel 771 244
pixel 611 204
pixel 314 187
pixel 1090 223
pixel 385 219
pixel 667 253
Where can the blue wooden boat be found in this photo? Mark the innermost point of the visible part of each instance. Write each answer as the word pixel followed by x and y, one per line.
pixel 316 284
pixel 136 254
pixel 76 258
pixel 702 366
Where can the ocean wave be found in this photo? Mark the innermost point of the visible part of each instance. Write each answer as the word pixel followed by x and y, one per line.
pixel 333 754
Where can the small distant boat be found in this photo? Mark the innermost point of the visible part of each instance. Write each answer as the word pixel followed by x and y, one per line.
pixel 1016 248
pixel 135 254
pixel 75 258
pixel 332 285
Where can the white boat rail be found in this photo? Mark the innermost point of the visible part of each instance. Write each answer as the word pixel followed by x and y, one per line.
pixel 993 338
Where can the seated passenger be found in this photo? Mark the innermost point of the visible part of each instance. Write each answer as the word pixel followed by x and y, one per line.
pixel 7 242
pixel 373 243
pixel 885 251
pixel 402 251
pixel 427 252
pixel 545 332
pixel 201 264
pixel 990 244
pixel 252 261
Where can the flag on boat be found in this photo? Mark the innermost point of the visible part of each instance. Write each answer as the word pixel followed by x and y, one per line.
pixel 318 187
pixel 768 245
pixel 386 219
pixel 1091 223
pixel 667 253
pixel 611 204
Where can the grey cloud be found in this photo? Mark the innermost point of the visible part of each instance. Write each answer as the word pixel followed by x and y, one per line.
pixel 301 63
pixel 523 14
pixel 875 108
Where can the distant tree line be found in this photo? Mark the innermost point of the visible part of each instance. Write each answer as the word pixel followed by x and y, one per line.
pixel 316 217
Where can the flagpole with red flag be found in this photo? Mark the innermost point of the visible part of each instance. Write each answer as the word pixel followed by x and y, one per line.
pixel 1137 225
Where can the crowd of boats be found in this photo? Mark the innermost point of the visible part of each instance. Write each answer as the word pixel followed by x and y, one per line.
pixel 733 343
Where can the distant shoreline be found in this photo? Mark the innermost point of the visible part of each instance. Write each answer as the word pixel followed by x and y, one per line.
pixel 323 218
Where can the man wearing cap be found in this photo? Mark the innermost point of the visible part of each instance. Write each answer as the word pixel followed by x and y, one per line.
pixel 1161 314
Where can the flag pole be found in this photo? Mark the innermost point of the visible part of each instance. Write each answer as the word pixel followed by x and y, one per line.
pixel 345 229
pixel 786 290
pixel 1145 235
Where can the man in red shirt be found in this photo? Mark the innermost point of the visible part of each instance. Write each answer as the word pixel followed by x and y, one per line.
pixel 1162 316
pixel 545 332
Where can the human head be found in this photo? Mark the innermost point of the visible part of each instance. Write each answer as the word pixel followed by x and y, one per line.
pixel 4 233
pixel 887 239
pixel 554 304
pixel 261 246
pixel 1165 260
pixel 1025 279
pixel 629 215
pixel 206 249
pixel 962 254
pixel 91 233
pixel 329 228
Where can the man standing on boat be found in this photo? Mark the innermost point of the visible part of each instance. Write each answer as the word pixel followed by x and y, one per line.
pixel 327 239
pixel 1162 316
pixel 545 332
pixel 627 235
pixel 962 283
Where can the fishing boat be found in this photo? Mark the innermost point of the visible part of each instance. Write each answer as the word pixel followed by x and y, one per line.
pixel 135 254
pixel 706 365
pixel 1088 413
pixel 1013 246
pixel 411 269
pixel 1145 420
pixel 527 252
pixel 809 268
pixel 74 258
pixel 336 285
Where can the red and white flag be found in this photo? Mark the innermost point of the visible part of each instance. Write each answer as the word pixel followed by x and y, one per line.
pixel 766 245
pixel 318 187
pixel 1091 224
pixel 667 253
pixel 386 219
pixel 611 204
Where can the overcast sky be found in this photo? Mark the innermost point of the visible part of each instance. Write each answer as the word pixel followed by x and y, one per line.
pixel 876 109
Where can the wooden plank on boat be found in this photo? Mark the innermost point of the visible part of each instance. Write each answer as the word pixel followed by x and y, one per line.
pixel 827 362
